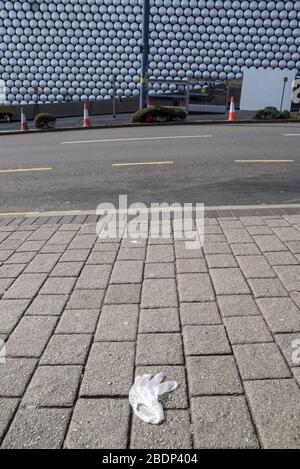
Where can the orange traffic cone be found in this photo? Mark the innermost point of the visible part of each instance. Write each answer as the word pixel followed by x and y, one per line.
pixel 86 118
pixel 24 125
pixel 232 112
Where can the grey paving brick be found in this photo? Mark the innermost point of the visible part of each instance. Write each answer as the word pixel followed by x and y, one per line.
pixel 230 224
pixel 209 375
pixel 237 305
pixel 5 284
pixel 276 222
pixel 7 410
pixel 245 249
pixel 195 287
pixel 289 345
pixel 94 277
pixel 159 349
pixel 75 255
pixel 78 321
pixel 47 305
pixel 287 233
pixel 216 248
pixel 30 336
pixel 101 257
pixel 199 313
pixel 220 260
pixel 123 293
pixel 222 422
pixel 260 361
pixel 293 219
pixel 131 254
pixel 99 424
pixel 83 241
pixel 267 287
pixel 281 258
pixel 85 299
pixel 205 340
pixel 11 270
pixel 294 246
pixel 37 429
pixel 175 433
pixel 106 246
pixel 42 263
pixel 4 255
pixel 109 369
pixel 159 320
pixel 67 269
pixel 10 313
pixel 11 244
pixel 117 323
pixel 295 295
pixel 44 233
pixel 66 349
pixel 159 270
pixel 229 281
pixel 237 236
pixel 62 237
pixel 52 248
pixel 53 386
pixel 214 238
pixel 160 253
pixel 281 314
pixel 159 293
pixel 182 252
pixel 296 374
pixel 191 266
pixel 15 375
pixel 213 229
pixel 58 286
pixel 31 246
pixel 269 243
pixel 247 330
pixel 282 430
pixel 176 399
pixel 259 230
pixel 255 267
pixel 127 272
pixel 252 220
pixel 25 286
pixel 290 276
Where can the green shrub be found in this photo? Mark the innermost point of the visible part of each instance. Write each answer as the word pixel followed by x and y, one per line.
pixel 271 112
pixel 158 114
pixel 44 121
pixel 7 113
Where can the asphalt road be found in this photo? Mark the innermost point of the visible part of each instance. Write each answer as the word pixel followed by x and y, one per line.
pixel 198 165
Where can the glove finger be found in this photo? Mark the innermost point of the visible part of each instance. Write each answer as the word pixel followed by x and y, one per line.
pixel 156 380
pixel 168 386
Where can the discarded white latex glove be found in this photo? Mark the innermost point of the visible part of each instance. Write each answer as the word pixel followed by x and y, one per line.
pixel 143 397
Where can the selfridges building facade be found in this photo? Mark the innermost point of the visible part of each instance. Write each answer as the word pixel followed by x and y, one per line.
pixel 71 48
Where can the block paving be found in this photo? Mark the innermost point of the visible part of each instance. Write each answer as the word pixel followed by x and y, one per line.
pixel 81 317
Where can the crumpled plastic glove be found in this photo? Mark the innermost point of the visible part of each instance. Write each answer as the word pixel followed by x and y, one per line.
pixel 143 397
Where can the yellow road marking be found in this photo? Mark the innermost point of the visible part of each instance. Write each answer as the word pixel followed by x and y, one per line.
pixel 264 161
pixel 144 163
pixel 23 170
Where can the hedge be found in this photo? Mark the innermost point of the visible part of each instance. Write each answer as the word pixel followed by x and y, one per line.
pixel 158 114
pixel 44 121
pixel 271 112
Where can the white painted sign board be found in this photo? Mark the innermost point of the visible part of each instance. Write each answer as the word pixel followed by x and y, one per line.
pixel 264 87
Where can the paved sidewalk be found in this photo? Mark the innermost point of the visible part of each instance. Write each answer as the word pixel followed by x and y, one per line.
pixel 81 317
